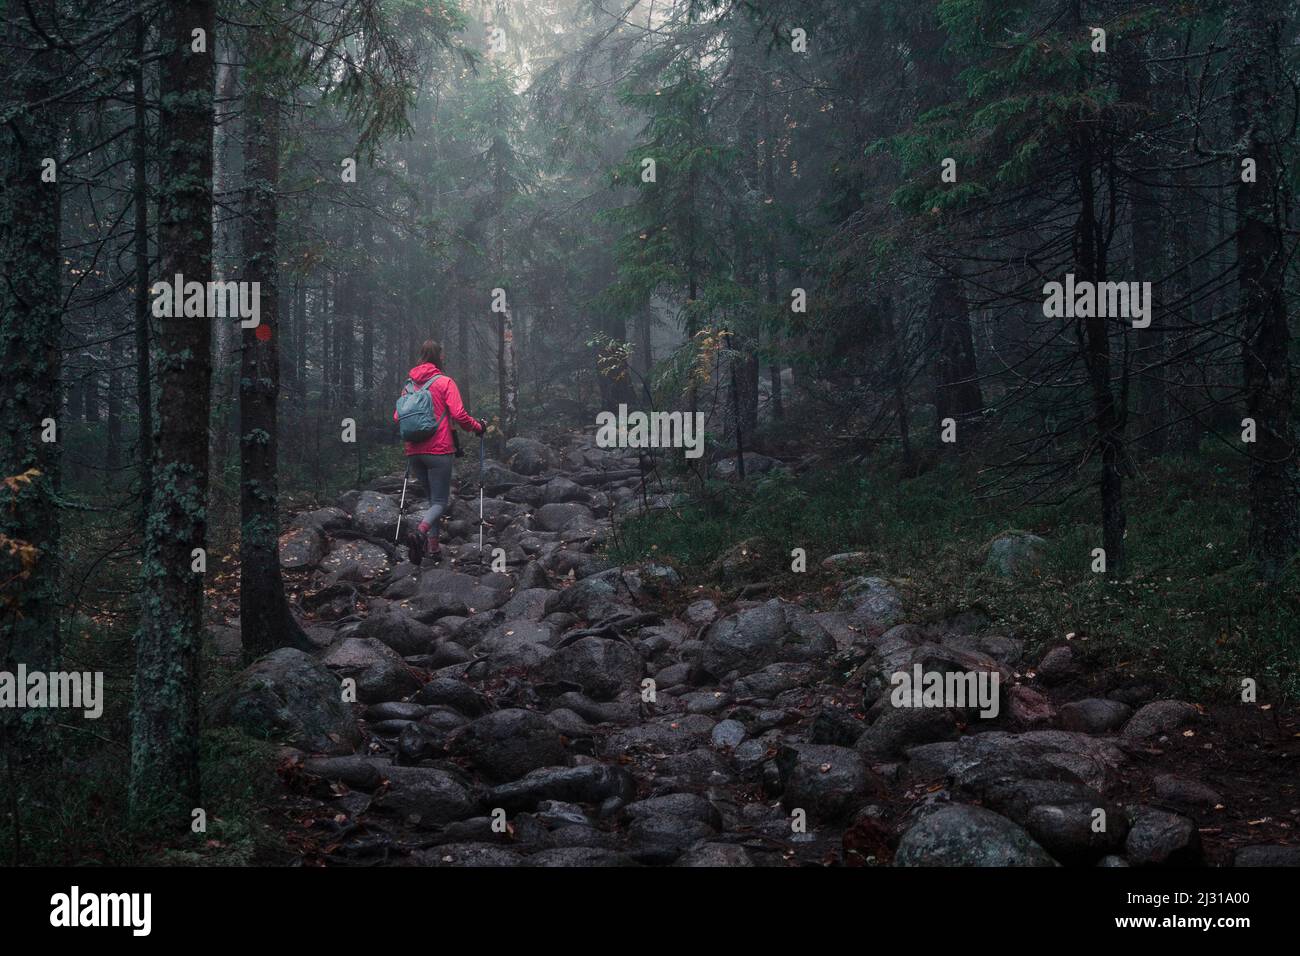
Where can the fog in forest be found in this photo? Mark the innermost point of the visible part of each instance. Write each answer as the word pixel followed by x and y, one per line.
pixel 648 432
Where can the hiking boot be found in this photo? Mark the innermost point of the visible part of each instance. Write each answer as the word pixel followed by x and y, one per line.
pixel 415 547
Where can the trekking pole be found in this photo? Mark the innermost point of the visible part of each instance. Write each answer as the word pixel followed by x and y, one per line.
pixel 405 477
pixel 480 503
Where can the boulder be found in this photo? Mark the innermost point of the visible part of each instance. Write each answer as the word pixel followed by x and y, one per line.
pixel 516 644
pixel 563 516
pixel 1264 854
pixel 396 710
pixel 457 694
pixel 379 671
pixel 684 806
pixel 301 548
pixel 395 628
pixel 728 734
pixel 750 640
pixel 755 464
pixel 356 772
pixel 654 579
pixel 527 603
pixel 1160 838
pixel 498 479
pixel 289 695
pixel 528 456
pixel 600 667
pixel 590 784
pixel 775 679
pixel 978 762
pixel 835 725
pixel 1031 708
pixel 825 781
pixel 715 854
pixel 1185 792
pixel 532 496
pixel 660 839
pixel 323 520
pixel 354 561
pixel 1067 830
pixel 665 735
pixel 1014 553
pixel 1057 666
pixel 964 835
pixel 873 602
pixel 562 562
pixel 701 613
pixel 1159 717
pixel 532 577
pixel 596 597
pixel 425 797
pixel 1094 715
pixel 899 728
pixel 375 514
pixel 506 744
pixel 446 592
pixel 1016 798
pixel 560 490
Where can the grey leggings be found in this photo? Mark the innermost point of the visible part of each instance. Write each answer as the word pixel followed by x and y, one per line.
pixel 434 472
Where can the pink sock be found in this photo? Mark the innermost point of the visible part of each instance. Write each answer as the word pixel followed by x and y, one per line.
pixel 424 527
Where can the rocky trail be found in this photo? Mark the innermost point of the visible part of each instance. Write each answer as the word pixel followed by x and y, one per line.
pixel 564 712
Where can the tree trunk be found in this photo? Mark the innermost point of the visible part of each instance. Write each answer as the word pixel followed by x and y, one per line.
pixel 1262 206
pixel 957 389
pixel 345 320
pixel 224 331
pixel 31 328
pixel 1107 416
pixel 113 455
pixel 164 784
pixel 1145 215
pixel 770 240
pixel 326 344
pixel 265 620
pixel 898 381
pixel 646 328
pixel 509 379
pixel 140 249
pixel 368 353
pixel 300 337
pixel 462 353
pixel 738 419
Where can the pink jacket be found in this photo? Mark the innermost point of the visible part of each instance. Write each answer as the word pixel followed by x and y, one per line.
pixel 446 405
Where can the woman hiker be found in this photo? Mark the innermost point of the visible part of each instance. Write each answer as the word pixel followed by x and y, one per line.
pixel 430 460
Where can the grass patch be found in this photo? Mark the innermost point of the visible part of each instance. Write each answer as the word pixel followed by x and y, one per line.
pixel 1189 613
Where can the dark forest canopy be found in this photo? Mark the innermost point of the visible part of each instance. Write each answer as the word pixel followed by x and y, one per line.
pixel 1037 253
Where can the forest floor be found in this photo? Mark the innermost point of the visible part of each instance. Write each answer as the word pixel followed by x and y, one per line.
pixel 568 710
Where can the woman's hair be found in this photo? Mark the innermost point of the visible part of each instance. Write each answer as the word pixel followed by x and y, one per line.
pixel 431 351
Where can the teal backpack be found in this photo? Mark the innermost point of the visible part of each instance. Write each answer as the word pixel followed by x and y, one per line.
pixel 416 419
